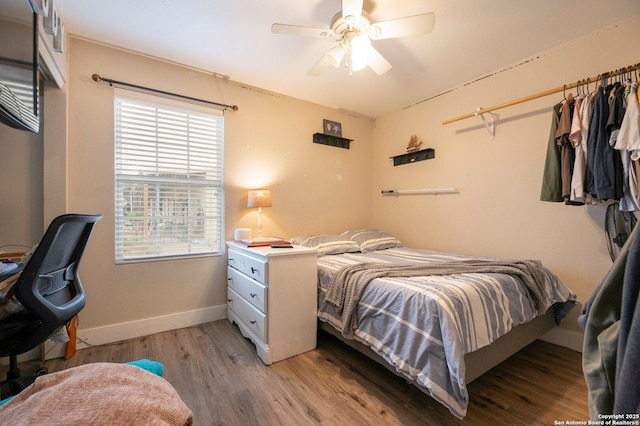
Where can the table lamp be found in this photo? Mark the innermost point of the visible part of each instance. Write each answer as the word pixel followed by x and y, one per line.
pixel 259 198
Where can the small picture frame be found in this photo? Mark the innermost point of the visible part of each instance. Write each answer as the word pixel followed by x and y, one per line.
pixel 332 128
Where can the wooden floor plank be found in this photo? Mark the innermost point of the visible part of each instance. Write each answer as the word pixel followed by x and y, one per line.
pixel 219 376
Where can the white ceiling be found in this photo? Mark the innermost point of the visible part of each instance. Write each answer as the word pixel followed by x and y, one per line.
pixel 471 38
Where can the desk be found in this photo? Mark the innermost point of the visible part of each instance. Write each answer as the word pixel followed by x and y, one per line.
pixel 5 276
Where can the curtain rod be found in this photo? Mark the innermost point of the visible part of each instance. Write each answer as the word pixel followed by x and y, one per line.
pixel 562 88
pixel 97 78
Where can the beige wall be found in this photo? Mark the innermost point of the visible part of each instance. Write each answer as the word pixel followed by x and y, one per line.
pixel 268 143
pixel 21 202
pixel 498 212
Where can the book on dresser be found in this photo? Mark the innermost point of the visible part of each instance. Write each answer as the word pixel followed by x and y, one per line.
pixel 262 242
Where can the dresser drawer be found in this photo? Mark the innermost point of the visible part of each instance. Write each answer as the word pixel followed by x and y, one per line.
pixel 251 290
pixel 254 319
pixel 250 266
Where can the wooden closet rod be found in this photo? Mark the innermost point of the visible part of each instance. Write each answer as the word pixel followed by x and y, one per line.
pixel 564 87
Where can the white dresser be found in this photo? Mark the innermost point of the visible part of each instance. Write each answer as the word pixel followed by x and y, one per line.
pixel 272 297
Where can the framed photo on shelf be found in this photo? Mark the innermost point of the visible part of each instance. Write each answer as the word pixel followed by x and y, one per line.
pixel 332 128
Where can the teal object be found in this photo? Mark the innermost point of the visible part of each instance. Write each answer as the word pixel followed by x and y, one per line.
pixel 154 367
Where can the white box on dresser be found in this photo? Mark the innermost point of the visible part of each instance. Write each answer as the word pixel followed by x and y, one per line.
pixel 272 297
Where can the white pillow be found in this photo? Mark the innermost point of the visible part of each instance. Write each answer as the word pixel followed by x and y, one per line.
pixel 327 244
pixel 372 239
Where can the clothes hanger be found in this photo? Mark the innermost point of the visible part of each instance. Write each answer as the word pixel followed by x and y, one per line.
pixel 604 80
pixel 566 98
pixel 587 82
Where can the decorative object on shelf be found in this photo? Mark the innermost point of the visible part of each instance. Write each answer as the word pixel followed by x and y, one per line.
pixel 412 157
pixel 259 198
pixel 332 128
pixel 414 144
pixel 331 140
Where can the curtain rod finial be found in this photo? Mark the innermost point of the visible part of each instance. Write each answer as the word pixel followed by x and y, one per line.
pixel 234 107
pixel 96 77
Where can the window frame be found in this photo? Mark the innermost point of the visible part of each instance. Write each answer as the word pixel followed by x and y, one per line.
pixel 217 185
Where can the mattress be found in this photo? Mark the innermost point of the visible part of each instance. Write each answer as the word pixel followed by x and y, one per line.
pixel 424 325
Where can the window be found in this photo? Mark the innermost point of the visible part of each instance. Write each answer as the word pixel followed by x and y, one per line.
pixel 169 189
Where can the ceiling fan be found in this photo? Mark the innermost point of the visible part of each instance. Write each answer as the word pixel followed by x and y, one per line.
pixel 353 31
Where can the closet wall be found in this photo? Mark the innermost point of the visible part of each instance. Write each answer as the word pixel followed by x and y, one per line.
pixel 498 211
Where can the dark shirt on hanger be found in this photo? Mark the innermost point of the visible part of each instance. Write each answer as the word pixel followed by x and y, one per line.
pixel 603 162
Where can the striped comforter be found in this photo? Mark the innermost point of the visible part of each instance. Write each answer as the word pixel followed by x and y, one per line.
pixel 423 326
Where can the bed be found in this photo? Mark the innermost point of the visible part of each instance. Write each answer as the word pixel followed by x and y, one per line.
pixel 439 320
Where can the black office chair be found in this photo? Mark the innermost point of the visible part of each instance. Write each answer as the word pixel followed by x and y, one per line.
pixel 50 291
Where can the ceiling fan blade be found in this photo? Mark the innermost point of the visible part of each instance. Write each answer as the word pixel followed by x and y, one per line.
pixel 319 67
pixel 301 31
pixel 403 27
pixel 377 62
pixel 351 8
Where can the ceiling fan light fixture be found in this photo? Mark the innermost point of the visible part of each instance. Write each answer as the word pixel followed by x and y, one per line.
pixel 360 47
pixel 336 55
pixel 352 32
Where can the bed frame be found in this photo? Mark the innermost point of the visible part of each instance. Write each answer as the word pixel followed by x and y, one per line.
pixel 481 360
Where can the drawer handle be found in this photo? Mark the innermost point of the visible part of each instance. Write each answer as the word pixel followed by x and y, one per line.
pixel 252 294
pixel 229 279
pixel 229 300
pixel 231 259
pixel 253 321
pixel 253 270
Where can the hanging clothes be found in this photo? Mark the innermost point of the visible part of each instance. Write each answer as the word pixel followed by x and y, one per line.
pixel 628 143
pixel 593 149
pixel 604 181
pixel 629 135
pixel 601 320
pixel 578 138
pixel 617 102
pixel 562 139
pixel 551 182
pixel 627 391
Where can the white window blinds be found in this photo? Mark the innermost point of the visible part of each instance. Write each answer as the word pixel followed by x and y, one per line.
pixel 169 188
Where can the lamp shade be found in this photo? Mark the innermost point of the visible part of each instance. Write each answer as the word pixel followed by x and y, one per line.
pixel 259 198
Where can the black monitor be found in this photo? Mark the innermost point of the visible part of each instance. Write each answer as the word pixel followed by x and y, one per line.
pixel 19 65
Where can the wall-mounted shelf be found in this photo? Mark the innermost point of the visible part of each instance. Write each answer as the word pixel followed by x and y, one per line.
pixel 412 157
pixel 429 191
pixel 331 140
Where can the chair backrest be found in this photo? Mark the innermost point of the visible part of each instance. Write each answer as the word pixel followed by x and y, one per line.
pixel 49 287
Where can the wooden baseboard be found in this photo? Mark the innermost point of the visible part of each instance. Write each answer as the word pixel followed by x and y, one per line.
pixel 563 337
pixel 134 329
pixel 124 331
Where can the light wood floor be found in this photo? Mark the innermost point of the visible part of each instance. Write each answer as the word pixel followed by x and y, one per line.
pixel 219 376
